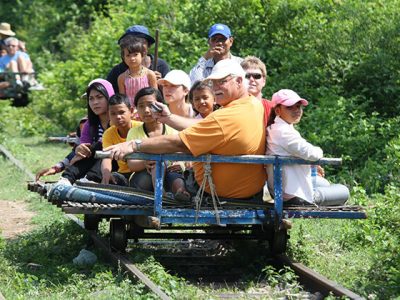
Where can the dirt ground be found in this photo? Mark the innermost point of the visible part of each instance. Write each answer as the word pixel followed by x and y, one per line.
pixel 14 218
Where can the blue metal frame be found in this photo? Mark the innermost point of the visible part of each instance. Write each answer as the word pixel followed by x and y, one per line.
pixel 237 216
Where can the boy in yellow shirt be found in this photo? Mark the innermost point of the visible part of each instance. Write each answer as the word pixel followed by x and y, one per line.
pixel 120 112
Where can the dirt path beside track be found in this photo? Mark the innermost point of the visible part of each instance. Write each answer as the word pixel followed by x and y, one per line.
pixel 15 218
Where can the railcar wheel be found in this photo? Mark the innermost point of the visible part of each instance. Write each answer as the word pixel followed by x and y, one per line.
pixel 279 241
pixel 23 100
pixel 91 222
pixel 118 238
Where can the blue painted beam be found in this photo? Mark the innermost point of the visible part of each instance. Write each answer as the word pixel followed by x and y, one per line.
pixel 241 159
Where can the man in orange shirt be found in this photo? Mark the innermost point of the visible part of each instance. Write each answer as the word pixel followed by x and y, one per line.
pixel 235 129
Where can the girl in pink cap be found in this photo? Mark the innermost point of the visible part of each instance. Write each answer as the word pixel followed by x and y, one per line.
pixel 284 140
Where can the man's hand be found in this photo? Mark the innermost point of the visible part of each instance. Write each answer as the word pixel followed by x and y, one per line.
pixel 119 151
pixel 213 51
pixel 163 115
pixel 158 75
pixel 83 150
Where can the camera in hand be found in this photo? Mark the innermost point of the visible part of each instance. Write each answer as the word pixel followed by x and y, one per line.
pixel 155 108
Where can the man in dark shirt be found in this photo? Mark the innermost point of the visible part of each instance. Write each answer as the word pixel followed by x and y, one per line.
pixel 138 31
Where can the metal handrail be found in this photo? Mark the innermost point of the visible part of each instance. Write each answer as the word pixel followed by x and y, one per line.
pixel 276 161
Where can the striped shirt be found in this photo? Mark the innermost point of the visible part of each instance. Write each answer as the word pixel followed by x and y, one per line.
pixel 133 85
pixel 204 67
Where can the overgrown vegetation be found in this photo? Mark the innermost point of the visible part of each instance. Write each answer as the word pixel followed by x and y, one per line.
pixel 340 55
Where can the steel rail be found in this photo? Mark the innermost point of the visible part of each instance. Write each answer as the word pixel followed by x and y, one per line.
pixel 16 162
pixel 99 242
pixel 306 275
pixel 316 281
pixel 120 259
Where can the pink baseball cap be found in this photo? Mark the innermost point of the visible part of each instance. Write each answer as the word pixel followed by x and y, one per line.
pixel 287 98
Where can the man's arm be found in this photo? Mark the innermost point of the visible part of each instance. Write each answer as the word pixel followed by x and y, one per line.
pixel 178 122
pixel 157 145
pixel 175 121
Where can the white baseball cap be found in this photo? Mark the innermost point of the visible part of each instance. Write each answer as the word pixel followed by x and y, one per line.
pixel 226 67
pixel 176 77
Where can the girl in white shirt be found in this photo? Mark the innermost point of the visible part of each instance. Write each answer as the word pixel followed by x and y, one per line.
pixel 284 140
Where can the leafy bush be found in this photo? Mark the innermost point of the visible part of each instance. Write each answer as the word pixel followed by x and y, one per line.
pixel 340 55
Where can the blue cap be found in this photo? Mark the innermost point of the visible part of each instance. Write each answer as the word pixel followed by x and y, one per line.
pixel 139 31
pixel 219 29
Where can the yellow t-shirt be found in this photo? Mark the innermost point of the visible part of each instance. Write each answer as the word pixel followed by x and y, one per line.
pixel 236 129
pixel 138 132
pixel 112 137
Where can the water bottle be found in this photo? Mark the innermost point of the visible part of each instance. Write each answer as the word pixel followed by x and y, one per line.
pixel 314 174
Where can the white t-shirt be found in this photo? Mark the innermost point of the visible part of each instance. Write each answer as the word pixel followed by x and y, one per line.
pixel 284 140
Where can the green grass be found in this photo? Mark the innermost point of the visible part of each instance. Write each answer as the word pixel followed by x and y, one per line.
pixel 361 255
pixel 53 244
pixel 36 153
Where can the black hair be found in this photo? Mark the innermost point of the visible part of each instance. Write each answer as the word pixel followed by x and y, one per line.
pixel 272 116
pixel 133 44
pixel 119 99
pixel 94 120
pixel 201 85
pixel 146 92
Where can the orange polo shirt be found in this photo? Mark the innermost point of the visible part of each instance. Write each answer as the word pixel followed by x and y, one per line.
pixel 236 129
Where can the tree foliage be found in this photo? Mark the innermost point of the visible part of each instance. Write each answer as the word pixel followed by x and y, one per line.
pixel 340 55
pixel 343 56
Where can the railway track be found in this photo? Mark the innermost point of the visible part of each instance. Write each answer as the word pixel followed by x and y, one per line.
pixel 197 261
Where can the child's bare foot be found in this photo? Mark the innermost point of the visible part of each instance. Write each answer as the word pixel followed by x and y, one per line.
pixel 182 195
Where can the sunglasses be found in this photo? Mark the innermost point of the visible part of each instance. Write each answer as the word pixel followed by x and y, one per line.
pixel 254 75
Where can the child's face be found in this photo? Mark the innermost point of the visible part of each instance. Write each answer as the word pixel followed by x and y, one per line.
pixel 3 52
pixel 97 102
pixel 120 115
pixel 203 101
pixel 174 93
pixel 133 59
pixel 290 114
pixel 144 108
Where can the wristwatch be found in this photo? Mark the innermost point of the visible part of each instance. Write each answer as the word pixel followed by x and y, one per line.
pixel 138 143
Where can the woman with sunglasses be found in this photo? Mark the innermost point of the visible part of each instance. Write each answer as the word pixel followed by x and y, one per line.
pixel 256 76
